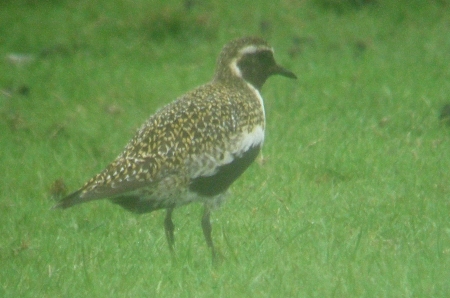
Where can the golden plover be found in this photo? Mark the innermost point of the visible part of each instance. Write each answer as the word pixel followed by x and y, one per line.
pixel 195 147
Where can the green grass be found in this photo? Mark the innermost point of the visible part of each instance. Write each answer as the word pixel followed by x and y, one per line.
pixel 351 198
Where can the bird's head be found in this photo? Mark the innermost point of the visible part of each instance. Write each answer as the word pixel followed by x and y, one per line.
pixel 250 59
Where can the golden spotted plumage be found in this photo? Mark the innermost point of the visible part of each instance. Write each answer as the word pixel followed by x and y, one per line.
pixel 195 147
pixel 180 139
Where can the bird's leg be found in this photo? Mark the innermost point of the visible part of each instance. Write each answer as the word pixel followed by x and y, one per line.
pixel 206 226
pixel 169 228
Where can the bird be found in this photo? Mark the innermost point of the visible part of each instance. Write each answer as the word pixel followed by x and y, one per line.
pixel 194 148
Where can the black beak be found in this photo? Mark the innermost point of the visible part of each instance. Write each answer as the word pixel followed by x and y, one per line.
pixel 284 72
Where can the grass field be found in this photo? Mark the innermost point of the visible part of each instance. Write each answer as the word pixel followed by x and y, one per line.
pixel 350 199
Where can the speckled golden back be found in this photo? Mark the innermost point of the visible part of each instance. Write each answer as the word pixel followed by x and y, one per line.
pixel 203 125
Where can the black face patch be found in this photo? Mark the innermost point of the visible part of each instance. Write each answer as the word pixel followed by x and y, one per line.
pixel 218 183
pixel 257 67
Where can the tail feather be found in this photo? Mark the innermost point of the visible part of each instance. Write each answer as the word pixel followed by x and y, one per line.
pixel 72 199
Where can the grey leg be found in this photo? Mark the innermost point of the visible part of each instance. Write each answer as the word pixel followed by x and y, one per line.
pixel 169 228
pixel 206 226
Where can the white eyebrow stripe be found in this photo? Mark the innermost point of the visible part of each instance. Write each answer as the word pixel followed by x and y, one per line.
pixel 253 49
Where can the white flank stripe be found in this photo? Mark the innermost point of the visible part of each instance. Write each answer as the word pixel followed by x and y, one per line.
pixel 251 139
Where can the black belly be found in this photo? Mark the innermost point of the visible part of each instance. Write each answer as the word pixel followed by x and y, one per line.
pixel 219 182
pixel 136 204
pixel 207 186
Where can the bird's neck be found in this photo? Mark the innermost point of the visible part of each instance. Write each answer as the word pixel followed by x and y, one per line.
pixel 231 79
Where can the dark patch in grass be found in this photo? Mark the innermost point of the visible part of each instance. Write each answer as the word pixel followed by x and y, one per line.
pixel 58 189
pixel 360 47
pixel 189 4
pixel 265 27
pixel 444 116
pixel 299 43
pixel 177 23
pixel 22 90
